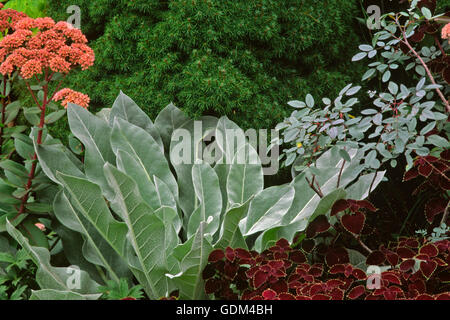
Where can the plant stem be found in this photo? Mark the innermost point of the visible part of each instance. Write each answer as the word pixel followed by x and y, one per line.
pixel 39 141
pixel 446 211
pixel 3 113
pixel 427 70
pixel 362 244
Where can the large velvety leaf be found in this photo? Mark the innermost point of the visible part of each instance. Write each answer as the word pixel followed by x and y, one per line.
pixel 147 233
pixel 124 107
pixel 145 151
pixel 268 208
pixel 95 135
pixel 153 190
pixel 53 158
pixel 95 249
pixel 189 281
pixel 47 276
pixel 207 190
pixel 169 119
pixel 50 294
pixel 245 178
pixel 360 189
pixel 230 234
pixel 186 148
pixel 87 198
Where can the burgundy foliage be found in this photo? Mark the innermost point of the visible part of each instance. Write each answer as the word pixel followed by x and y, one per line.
pixel 286 273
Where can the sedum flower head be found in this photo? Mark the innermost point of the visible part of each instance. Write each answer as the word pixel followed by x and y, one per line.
pixel 8 18
pixel 70 96
pixel 39 44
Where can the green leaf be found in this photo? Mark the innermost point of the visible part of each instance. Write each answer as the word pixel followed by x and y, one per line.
pixel 438 141
pixel 56 158
pixel 50 294
pixel 169 119
pixel 207 190
pixel 87 198
pixel 125 108
pixel 146 233
pixel 95 135
pixel 54 116
pixel 47 276
pixel 268 208
pixel 14 168
pixel 230 234
pixel 190 281
pixel 327 202
pixel 245 178
pixel 145 151
pixel 96 249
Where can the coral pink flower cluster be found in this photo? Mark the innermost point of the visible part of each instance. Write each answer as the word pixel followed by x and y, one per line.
pixel 446 32
pixel 9 17
pixel 55 46
pixel 70 96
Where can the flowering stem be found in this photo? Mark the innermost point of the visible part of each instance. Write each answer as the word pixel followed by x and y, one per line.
pixel 3 113
pixel 39 141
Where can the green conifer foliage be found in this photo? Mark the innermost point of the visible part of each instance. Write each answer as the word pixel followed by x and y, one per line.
pixel 240 58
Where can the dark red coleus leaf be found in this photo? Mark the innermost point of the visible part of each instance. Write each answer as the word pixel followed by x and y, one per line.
pixel 297 256
pixel 410 174
pixel 359 274
pixel 391 277
pixel 339 206
pixel 356 292
pixel 318 225
pixel 434 207
pixel 424 297
pixel 407 265
pixel 212 286
pixel 427 268
pixel 242 254
pixel 405 253
pixel 229 254
pixel 392 258
pixel 280 286
pixel 336 294
pixel 367 205
pixel 284 244
pixel 216 255
pixel 286 296
pixel 425 170
pixel 259 278
pixel 375 258
pixel 308 245
pixel 412 243
pixel 354 223
pixel 321 297
pixel 337 256
pixel 429 249
pixel 443 296
pixel 302 298
pixel 269 294
pixel 209 271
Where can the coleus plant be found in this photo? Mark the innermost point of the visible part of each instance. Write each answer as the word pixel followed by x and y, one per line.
pixel 436 174
pixel 131 216
pixel 285 272
pixel 407 119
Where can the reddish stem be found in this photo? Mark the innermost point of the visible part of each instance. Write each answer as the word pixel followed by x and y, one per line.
pixel 39 141
pixel 4 103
